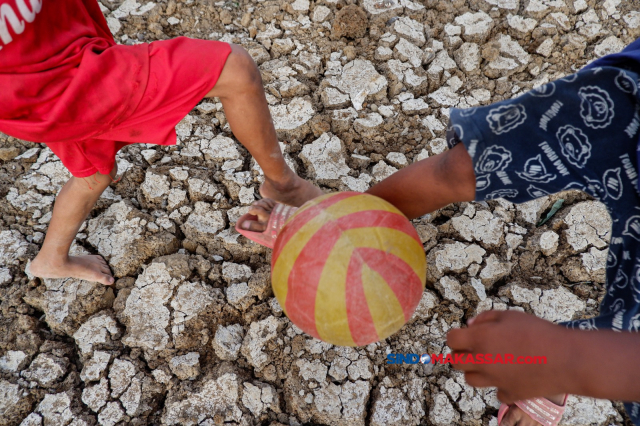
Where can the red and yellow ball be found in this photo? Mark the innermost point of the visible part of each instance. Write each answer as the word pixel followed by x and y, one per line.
pixel 348 268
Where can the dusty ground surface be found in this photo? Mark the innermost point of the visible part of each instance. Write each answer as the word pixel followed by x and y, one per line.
pixel 191 334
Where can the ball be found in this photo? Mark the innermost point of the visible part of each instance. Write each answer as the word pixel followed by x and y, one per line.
pixel 348 268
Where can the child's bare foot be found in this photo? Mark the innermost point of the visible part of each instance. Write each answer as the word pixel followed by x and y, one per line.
pixel 261 209
pixel 89 268
pixel 295 191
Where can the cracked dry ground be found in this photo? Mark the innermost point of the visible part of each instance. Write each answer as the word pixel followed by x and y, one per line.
pixel 190 333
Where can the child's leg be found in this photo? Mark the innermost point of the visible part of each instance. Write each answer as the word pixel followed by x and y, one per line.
pixel 421 188
pixel 241 92
pixel 430 184
pixel 73 204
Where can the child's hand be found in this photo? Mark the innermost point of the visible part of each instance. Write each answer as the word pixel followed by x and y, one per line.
pixel 521 335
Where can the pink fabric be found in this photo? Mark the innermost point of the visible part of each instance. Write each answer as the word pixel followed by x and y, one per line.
pixel 541 410
pixel 277 220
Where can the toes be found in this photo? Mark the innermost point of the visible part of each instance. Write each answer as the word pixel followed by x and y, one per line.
pixel 262 213
pixel 514 417
pixel 265 203
pixel 254 226
pixel 106 279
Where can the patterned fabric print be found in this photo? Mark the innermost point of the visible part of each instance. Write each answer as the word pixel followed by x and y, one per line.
pixel 579 132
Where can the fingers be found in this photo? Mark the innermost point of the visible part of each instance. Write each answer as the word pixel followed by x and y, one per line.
pixel 484 317
pixel 460 340
pixel 505 397
pixel 478 380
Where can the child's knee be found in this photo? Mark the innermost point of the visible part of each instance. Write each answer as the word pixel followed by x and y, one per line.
pixel 245 70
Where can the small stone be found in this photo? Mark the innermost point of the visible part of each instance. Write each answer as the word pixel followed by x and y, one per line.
pixel 450 288
pixel 608 46
pixel 315 370
pixel 476 26
pixel 361 80
pixel 406 51
pixel 548 242
pixel 155 187
pixel 360 369
pixel 178 174
pixel 468 57
pixel 553 305
pixel 259 334
pixel 100 329
pixel 239 295
pixel 369 125
pixel 111 414
pixel 397 159
pixel 203 223
pixel 234 272
pixel 29 156
pixel 333 98
pixel 588 224
pixel 290 119
pixel 320 13
pixel 96 396
pixel 546 48
pixel 94 367
pixel 201 190
pixel 227 341
pixel 442 412
pixel 415 106
pixel 411 29
pixel 217 399
pixel 521 24
pixel 583 410
pixel 456 257
pixel 351 22
pixel 161 376
pixel 186 367
pixel 56 409
pixel 120 375
pixel 325 159
pixel 220 148
pixel 33 419
pixel 383 53
pixel 151 155
pixel 511 58
pixel 494 270
pixel 382 170
pixel 484 227
pixel 177 198
pixel 46 369
pixel 8 154
pixel 361 184
pixel 300 5
pixel 13 361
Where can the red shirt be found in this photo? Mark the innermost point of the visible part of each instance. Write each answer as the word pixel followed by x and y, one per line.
pixel 62 76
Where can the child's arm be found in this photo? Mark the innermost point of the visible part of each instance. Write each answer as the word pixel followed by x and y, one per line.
pixel 430 184
pixel 600 364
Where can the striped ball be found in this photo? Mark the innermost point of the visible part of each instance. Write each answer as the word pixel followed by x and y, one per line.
pixel 348 268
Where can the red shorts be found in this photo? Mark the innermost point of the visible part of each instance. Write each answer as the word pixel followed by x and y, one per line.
pixel 181 72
